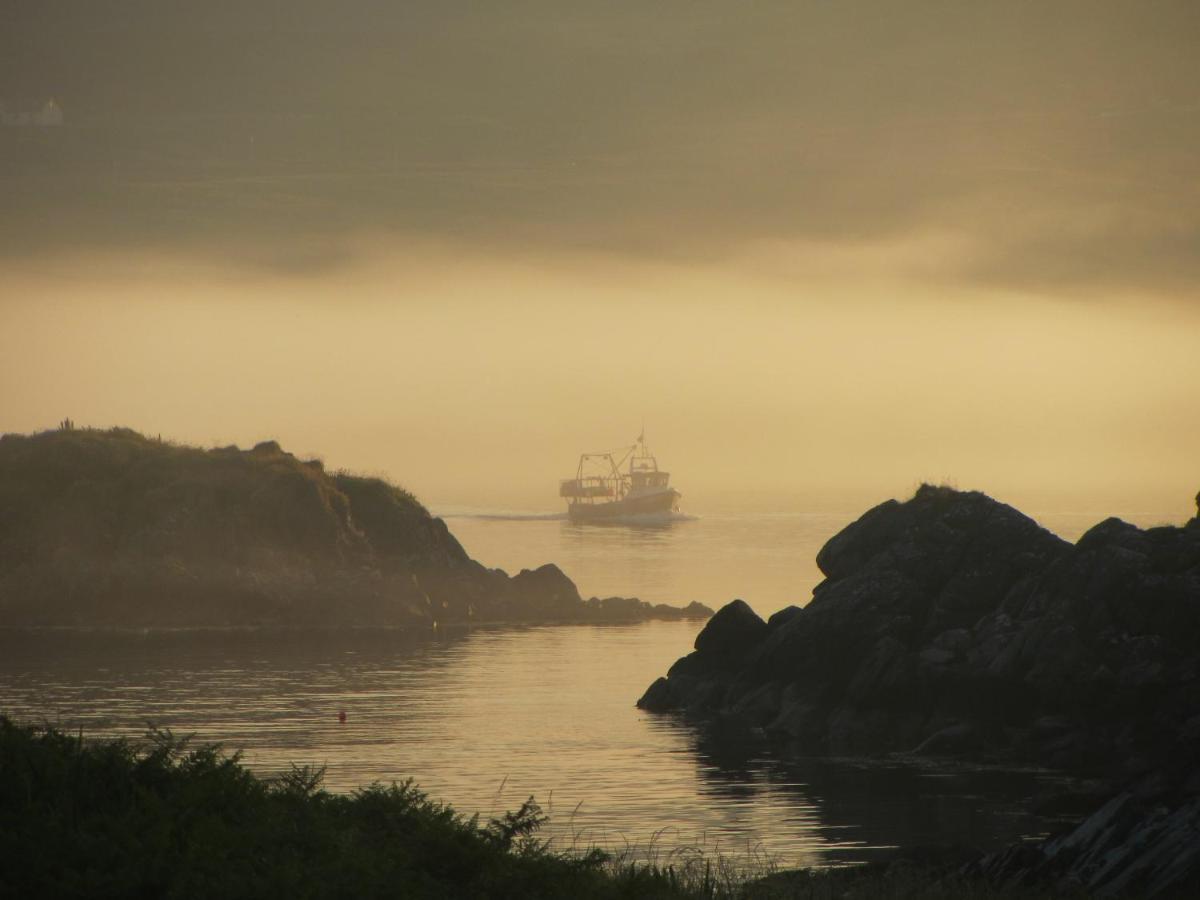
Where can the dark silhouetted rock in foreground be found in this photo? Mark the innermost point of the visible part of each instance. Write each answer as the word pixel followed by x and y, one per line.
pixel 953 624
pixel 110 528
pixel 733 631
pixel 1133 846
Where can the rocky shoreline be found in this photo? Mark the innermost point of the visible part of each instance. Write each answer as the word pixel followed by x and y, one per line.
pixel 953 625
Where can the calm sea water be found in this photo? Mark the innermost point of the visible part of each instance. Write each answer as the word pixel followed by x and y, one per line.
pixel 484 718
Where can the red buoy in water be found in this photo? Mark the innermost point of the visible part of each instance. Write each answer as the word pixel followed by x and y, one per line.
pixel 342 717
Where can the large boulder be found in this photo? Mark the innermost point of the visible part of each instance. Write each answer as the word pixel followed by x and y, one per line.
pixel 659 697
pixel 545 591
pixel 731 633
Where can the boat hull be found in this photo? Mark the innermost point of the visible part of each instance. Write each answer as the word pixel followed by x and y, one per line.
pixel 659 503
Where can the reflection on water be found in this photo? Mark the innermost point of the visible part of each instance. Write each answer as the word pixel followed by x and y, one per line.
pixel 483 719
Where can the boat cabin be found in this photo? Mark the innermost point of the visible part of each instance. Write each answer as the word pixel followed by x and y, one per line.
pixel 649 481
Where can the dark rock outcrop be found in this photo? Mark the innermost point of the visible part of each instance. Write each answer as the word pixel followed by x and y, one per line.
pixel 111 528
pixel 629 609
pixel 1132 846
pixel 546 591
pixel 953 624
pixel 730 634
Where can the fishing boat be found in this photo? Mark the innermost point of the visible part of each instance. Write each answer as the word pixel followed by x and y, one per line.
pixel 606 489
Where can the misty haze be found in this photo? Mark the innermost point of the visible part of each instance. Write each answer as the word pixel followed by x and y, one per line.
pixel 676 450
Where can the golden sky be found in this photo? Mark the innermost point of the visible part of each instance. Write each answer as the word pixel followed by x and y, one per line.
pixel 824 251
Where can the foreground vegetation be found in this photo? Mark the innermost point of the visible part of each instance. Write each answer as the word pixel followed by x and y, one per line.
pixel 113 819
pixel 110 818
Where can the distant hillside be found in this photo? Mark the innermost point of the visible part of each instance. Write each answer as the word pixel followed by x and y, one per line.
pixel 112 528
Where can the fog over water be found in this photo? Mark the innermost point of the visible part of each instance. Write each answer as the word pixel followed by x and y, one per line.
pixel 478 383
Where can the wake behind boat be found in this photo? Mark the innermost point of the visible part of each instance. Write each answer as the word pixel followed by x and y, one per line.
pixel 601 491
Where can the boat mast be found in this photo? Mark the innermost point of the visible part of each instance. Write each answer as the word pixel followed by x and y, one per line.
pixel 642 460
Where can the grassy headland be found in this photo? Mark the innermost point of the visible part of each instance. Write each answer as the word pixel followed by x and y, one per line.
pixel 113 528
